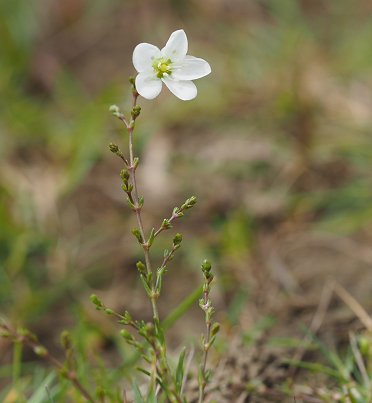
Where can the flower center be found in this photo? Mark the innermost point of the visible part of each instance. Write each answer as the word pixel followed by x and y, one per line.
pixel 162 67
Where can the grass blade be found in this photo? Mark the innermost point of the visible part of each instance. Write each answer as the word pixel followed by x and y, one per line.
pixel 137 394
pixel 181 309
pixel 180 370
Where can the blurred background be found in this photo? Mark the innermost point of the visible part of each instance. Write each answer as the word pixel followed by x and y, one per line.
pixel 277 147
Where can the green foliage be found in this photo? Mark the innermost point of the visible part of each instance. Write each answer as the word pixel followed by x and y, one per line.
pixel 280 54
pixel 351 370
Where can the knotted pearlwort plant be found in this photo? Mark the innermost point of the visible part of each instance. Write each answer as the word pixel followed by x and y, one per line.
pixel 173 67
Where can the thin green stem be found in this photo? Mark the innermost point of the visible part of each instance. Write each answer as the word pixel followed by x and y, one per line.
pixel 159 354
pixel 132 172
pixel 173 217
pixel 206 347
pixel 71 375
pixel 206 350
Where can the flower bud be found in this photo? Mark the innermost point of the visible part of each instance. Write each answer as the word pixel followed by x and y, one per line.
pixel 177 239
pixel 189 203
pixel 206 266
pixel 215 329
pixel 113 148
pixel 166 224
pixel 127 316
pixel 126 335
pixel 136 111
pixel 114 109
pixel 27 334
pixel 40 351
pixel 141 268
pixel 124 175
pixel 136 232
pixel 96 301
pixel 365 345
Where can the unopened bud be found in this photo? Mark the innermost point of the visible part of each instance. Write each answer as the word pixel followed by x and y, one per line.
pixel 141 268
pixel 126 335
pixel 96 301
pixel 136 111
pixel 177 239
pixel 365 345
pixel 113 148
pixel 206 266
pixel 114 109
pixel 166 224
pixel 124 175
pixel 136 232
pixel 40 351
pixel 189 203
pixel 215 329
pixel 127 316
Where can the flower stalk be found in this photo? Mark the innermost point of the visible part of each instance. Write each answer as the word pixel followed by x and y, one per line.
pixel 151 279
pixel 212 329
pixel 133 163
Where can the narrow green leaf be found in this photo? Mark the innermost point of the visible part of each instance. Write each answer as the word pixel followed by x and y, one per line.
pixel 145 285
pixel 159 331
pixel 315 367
pixel 151 397
pixel 137 394
pixel 332 357
pixel 144 371
pixel 39 395
pixel 151 237
pixel 130 204
pixel 159 282
pixel 182 308
pixel 180 370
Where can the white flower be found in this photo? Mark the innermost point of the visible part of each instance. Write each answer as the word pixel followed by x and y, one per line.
pixel 170 66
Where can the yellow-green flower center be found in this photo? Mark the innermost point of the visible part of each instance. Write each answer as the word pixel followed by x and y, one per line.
pixel 162 67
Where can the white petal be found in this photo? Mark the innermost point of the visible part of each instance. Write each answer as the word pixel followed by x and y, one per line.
pixel 143 56
pixel 191 68
pixel 184 90
pixel 176 47
pixel 148 85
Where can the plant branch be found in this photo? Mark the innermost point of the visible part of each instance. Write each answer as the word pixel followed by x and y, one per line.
pixel 211 329
pixel 27 338
pixel 137 209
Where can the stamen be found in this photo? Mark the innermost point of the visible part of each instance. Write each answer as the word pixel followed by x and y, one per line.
pixel 162 67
